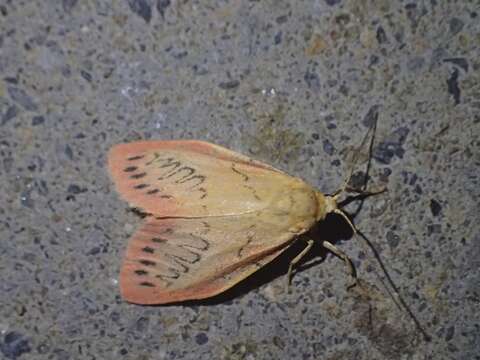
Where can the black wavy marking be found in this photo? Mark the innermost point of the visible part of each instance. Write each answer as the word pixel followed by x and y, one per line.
pixel 130 169
pixel 207 226
pixel 205 244
pixel 175 274
pixel 183 174
pixel 250 238
pixel 190 171
pixel 181 264
pixel 181 260
pixel 137 157
pixel 245 176
pixel 171 162
pixel 156 157
pixel 204 192
pixel 200 178
pixel 245 179
pixel 167 278
pixel 254 192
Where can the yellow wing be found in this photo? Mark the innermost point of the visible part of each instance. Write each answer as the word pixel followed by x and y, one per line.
pixel 194 179
pixel 216 216
pixel 176 259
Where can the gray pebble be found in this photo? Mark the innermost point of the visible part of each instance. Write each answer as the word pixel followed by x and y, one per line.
pixel 21 97
pixel 14 344
pixel 142 8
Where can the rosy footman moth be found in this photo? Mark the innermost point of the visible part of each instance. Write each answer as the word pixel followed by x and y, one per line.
pixel 216 217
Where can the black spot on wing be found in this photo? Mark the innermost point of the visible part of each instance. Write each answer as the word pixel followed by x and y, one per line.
pixel 159 240
pixel 148 250
pixel 147 284
pixel 139 212
pixel 137 157
pixel 138 176
pixel 147 262
pixel 141 186
pixel 130 169
pixel 141 272
pixel 153 191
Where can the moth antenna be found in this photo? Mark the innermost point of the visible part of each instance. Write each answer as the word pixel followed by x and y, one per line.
pixel 395 294
pixel 373 130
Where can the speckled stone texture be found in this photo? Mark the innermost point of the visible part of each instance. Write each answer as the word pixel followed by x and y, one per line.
pixel 295 84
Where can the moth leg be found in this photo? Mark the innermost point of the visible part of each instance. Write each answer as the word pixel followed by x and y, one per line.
pixel 350 268
pixel 296 259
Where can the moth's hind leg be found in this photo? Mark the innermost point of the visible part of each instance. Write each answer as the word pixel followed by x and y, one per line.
pixel 350 268
pixel 296 259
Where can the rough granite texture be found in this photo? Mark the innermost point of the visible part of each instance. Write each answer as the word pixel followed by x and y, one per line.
pixel 295 84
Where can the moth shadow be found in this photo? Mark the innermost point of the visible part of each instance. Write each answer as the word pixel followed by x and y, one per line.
pixel 333 229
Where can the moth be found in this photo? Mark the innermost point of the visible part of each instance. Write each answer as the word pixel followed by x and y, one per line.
pixel 214 218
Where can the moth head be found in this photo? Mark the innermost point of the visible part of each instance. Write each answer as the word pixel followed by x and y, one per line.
pixel 333 206
pixel 325 204
pixel 330 204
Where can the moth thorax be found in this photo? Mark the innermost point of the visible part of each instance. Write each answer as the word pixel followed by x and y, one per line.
pixel 326 204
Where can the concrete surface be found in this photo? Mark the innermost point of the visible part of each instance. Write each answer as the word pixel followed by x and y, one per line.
pixel 295 84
